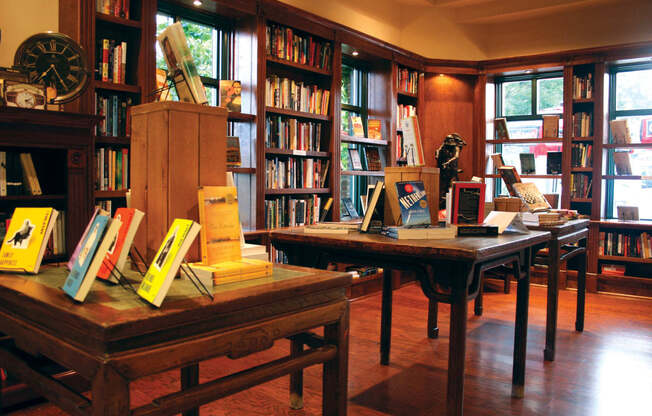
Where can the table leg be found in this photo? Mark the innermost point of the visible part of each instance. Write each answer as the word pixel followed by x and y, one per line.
pixel 520 330
pixel 581 292
pixel 386 318
pixel 110 392
pixel 433 309
pixel 456 353
pixel 477 305
pixel 553 299
pixel 296 379
pixel 190 378
pixel 335 376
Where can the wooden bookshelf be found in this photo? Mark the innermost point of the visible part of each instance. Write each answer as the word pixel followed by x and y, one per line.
pixel 363 172
pixel 363 140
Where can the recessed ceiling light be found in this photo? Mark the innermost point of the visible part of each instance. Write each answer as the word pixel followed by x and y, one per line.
pixel 528 71
pixel 441 75
pixel 197 3
pixel 355 53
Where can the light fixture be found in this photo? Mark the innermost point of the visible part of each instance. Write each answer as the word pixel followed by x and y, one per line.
pixel 355 53
pixel 528 71
pixel 441 75
pixel 197 3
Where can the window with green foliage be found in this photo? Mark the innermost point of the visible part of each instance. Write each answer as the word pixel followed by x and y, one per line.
pixel 209 40
pixel 354 103
pixel 523 100
pixel 630 98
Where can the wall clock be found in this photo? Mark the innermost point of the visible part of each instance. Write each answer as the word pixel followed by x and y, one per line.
pixel 57 61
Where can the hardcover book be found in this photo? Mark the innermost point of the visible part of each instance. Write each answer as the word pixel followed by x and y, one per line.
pixel 620 131
pixel 356 162
pixel 358 128
pixel 500 128
pixel 91 256
pixel 553 163
pixel 164 268
pixel 375 208
pixel 550 126
pixel 623 165
pixel 531 196
pixel 430 232
pixel 374 128
pixel 233 158
pixel 231 95
pixel 413 203
pixel 412 148
pixel 220 231
pixel 527 163
pixel 497 159
pixel 510 177
pixel 372 158
pixel 26 239
pixel 116 256
pixel 626 213
pixel 468 202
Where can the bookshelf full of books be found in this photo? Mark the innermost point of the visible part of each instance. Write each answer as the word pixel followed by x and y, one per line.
pixel 407 98
pixel 296 108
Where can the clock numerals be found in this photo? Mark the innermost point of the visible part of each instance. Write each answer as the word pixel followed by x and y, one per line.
pixel 41 47
pixel 72 58
pixel 53 45
pixel 72 78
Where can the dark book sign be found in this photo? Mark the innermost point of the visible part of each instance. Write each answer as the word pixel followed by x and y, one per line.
pixel 413 203
pixel 527 163
pixel 468 202
pixel 372 157
pixel 510 177
pixel 553 163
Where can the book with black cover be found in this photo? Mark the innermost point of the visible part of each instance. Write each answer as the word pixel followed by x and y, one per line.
pixel 527 163
pixel 553 163
pixel 413 203
pixel 372 158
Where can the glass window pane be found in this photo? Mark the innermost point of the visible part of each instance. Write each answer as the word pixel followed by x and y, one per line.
pixel 528 129
pixel 517 98
pixel 511 155
pixel 633 193
pixel 202 41
pixel 634 90
pixel 347 92
pixel 211 94
pixel 550 96
pixel 162 21
pixel 640 128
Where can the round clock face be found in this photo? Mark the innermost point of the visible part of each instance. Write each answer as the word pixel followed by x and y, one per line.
pixel 57 61
pixel 25 99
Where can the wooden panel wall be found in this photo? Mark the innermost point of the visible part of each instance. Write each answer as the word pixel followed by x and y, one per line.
pixel 448 108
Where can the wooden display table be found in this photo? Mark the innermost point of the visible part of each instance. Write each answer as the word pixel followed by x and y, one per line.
pixel 448 270
pixel 114 337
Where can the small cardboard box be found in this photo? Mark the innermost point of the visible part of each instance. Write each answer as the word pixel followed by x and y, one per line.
pixel 430 179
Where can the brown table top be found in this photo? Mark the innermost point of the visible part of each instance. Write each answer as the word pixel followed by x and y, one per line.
pixel 566 228
pixel 467 248
pixel 112 313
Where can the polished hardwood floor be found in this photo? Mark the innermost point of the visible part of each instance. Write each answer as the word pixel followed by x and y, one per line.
pixel 606 370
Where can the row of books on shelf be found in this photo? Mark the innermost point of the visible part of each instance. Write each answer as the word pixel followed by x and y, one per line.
pixel 56 243
pixel 583 86
pixel 283 42
pixel 580 185
pixel 626 244
pixel 287 211
pixel 369 158
pixel 289 133
pixel 113 109
pixel 374 127
pixel 112 169
pixel 407 81
pixel 583 123
pixel 118 8
pixel 18 175
pixel 581 155
pixel 294 95
pixel 105 245
pixel 294 173
pixel 111 61
pixel 404 111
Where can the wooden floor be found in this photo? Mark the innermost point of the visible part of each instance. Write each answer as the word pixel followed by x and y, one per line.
pixel 606 370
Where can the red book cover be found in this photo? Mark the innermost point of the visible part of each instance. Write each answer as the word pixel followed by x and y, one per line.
pixel 468 203
pixel 117 254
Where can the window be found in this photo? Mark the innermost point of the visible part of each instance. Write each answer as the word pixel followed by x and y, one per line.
pixel 630 98
pixel 210 42
pixel 523 100
pixel 354 103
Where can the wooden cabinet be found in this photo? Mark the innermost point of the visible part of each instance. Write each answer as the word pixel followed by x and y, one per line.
pixel 61 145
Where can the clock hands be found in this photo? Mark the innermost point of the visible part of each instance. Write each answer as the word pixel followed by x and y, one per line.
pixel 58 76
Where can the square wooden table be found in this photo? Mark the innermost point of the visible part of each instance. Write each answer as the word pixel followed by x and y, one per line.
pixel 114 337
pixel 448 270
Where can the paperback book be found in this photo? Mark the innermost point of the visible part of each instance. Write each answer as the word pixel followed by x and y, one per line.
pixel 220 231
pixel 374 128
pixel 164 268
pixel 26 239
pixel 430 232
pixel 116 256
pixel 231 95
pixel 91 256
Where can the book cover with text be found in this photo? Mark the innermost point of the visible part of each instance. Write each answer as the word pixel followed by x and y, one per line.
pixel 413 203
pixel 26 239
pixel 117 253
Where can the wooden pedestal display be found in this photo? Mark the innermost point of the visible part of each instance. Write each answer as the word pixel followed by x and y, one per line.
pixel 175 148
pixel 430 179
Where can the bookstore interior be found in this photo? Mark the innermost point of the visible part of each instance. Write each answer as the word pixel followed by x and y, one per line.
pixel 251 188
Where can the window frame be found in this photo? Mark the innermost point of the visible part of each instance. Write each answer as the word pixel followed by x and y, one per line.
pixel 498 102
pixel 613 113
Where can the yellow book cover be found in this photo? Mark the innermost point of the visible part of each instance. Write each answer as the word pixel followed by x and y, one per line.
pixel 220 232
pixel 27 236
pixel 169 256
